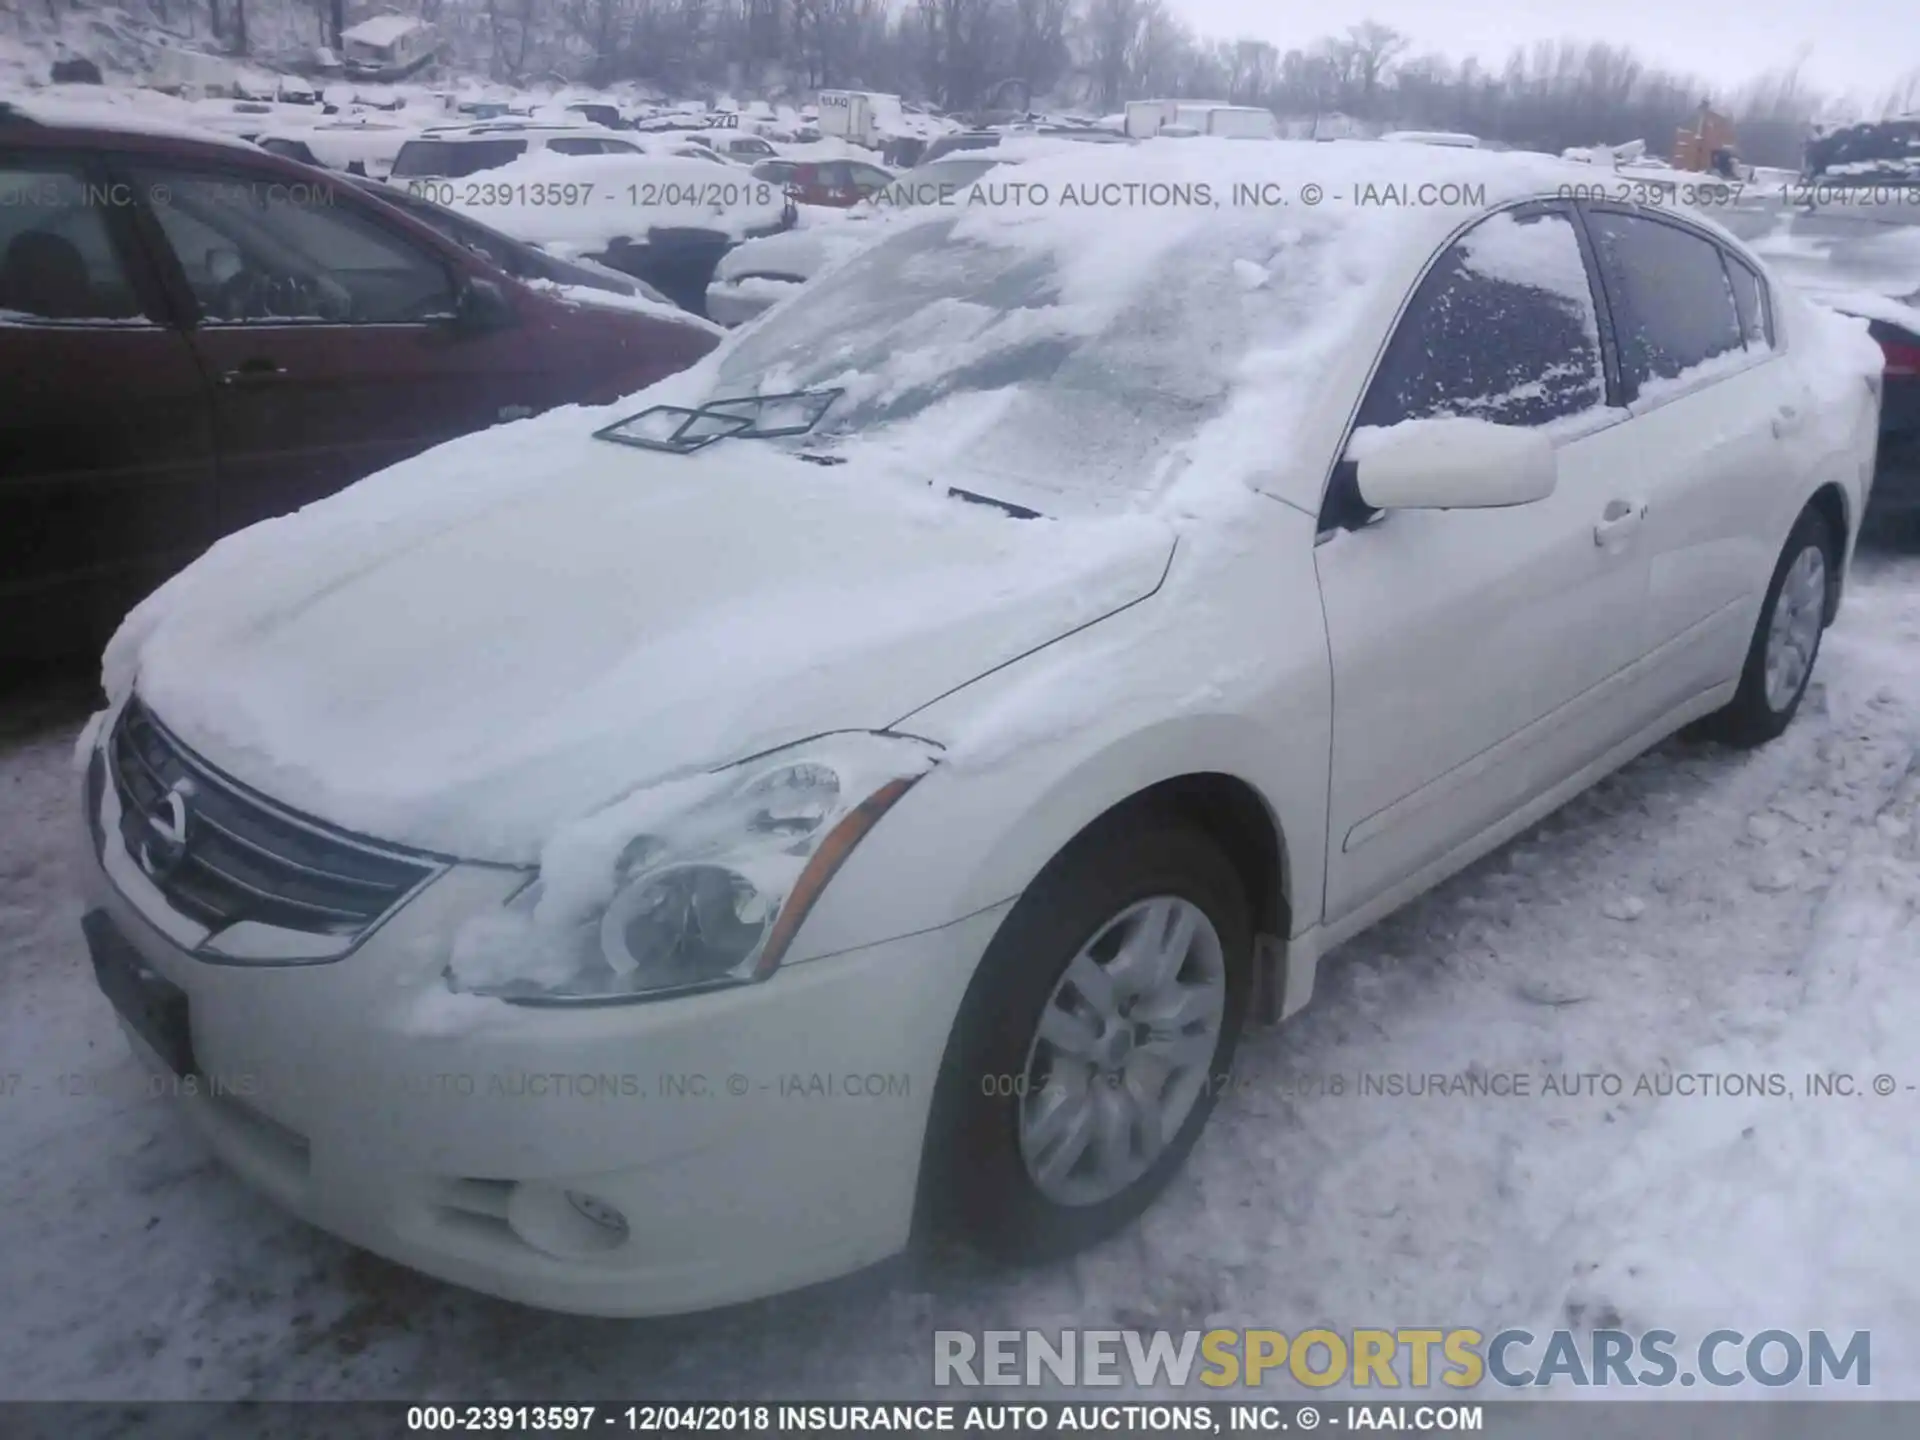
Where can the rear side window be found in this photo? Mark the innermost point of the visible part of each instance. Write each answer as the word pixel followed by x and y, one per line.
pixel 1503 328
pixel 259 251
pixel 1750 300
pixel 454 159
pixel 1677 306
pixel 57 259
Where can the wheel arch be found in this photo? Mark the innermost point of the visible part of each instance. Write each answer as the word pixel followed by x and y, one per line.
pixel 1232 811
pixel 1829 502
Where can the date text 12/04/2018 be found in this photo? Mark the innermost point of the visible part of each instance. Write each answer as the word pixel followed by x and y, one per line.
pixel 572 194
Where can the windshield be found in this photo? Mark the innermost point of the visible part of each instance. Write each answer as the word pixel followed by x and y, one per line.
pixel 980 357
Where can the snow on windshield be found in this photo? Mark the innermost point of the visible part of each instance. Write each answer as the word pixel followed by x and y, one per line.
pixel 928 319
pixel 1114 307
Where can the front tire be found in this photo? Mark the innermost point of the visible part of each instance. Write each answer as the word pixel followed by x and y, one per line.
pixel 1786 641
pixel 1092 1042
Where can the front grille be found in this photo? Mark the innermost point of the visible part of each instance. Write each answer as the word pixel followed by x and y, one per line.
pixel 222 854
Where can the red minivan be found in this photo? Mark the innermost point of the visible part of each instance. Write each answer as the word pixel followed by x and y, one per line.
pixel 195 335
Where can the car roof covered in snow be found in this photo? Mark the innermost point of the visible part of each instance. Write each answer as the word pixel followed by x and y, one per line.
pixel 1399 196
pixel 107 117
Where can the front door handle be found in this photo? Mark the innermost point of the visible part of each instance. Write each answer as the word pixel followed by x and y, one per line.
pixel 1787 420
pixel 1618 523
pixel 254 372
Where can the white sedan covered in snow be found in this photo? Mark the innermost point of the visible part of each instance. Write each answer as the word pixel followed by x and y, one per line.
pixel 639 861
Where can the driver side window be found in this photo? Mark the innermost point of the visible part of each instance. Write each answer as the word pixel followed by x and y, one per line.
pixel 258 251
pixel 1503 328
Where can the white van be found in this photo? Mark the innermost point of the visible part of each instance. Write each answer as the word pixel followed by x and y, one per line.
pixel 1148 118
pixel 860 117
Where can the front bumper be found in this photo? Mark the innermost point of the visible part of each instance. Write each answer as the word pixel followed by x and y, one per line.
pixel 753 1140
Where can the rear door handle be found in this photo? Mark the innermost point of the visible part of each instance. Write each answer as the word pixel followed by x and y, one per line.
pixel 254 372
pixel 1787 420
pixel 1618 522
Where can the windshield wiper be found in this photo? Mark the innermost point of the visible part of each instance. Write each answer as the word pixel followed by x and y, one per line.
pixel 1019 512
pixel 681 429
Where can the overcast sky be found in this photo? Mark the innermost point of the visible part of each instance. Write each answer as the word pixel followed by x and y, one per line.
pixel 1852 45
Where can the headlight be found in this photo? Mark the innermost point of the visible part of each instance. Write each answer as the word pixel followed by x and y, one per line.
pixel 692 885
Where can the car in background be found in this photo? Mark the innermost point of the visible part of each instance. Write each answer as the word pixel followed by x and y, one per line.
pixel 760 273
pixel 516 257
pixel 1895 327
pixel 669 143
pixel 358 146
pixel 597 113
pixel 1876 152
pixel 971 693
pixel 236 336
pixel 969 140
pixel 664 218
pixel 734 144
pixel 453 152
pixel 830 184
pixel 1861 259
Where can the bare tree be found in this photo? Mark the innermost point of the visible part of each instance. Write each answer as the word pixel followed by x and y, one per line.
pixel 1040 54
pixel 827 38
pixel 965 39
pixel 1112 33
pixel 1373 47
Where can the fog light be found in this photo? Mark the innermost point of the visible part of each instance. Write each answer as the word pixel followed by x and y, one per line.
pixel 566 1224
pixel 599 1212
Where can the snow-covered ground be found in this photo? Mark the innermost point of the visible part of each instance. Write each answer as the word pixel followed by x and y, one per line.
pixel 1701 913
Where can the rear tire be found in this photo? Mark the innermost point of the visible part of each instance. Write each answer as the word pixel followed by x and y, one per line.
pixel 1786 640
pixel 1115 1058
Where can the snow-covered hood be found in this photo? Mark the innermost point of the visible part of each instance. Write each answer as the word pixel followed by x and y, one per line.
pixel 471 649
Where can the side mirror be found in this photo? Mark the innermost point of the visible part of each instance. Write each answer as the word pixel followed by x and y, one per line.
pixel 1452 464
pixel 481 307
